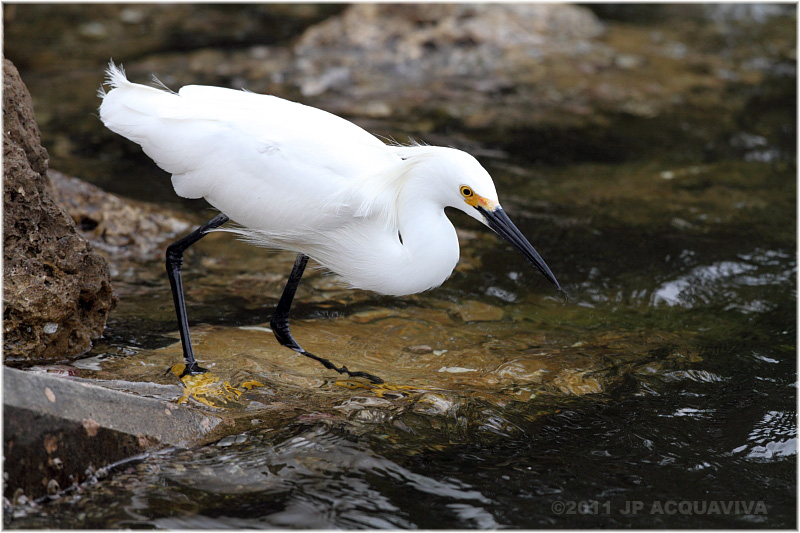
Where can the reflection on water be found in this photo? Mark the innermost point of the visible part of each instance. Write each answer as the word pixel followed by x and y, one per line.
pixel 777 425
pixel 325 467
pixel 703 284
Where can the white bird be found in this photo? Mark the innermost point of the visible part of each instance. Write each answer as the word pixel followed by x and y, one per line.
pixel 301 179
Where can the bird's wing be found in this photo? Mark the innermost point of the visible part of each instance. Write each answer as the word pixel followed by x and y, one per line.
pixel 268 163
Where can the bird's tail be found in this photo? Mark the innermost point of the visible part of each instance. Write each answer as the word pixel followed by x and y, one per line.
pixel 126 97
pixel 131 109
pixel 145 116
pixel 115 77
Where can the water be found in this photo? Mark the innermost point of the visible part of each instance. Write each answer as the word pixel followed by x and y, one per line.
pixel 660 393
pixel 668 376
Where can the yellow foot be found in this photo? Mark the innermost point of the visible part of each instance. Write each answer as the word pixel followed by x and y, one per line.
pixel 210 390
pixel 382 390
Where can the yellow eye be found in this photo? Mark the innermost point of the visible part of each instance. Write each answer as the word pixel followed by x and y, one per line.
pixel 466 191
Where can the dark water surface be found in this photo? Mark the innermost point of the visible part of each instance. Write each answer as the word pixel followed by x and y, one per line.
pixel 689 328
pixel 661 393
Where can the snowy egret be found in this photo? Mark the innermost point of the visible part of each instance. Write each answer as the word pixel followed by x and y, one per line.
pixel 301 179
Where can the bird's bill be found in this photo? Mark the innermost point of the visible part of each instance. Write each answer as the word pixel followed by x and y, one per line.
pixel 499 222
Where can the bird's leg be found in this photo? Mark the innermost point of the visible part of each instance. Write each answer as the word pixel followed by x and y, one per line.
pixel 280 322
pixel 174 265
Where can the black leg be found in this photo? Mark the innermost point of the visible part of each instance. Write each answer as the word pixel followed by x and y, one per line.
pixel 280 322
pixel 174 265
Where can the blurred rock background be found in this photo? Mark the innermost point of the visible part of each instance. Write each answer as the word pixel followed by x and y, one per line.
pixel 546 83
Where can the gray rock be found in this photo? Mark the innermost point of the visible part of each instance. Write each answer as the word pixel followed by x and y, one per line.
pixel 56 429
pixel 379 50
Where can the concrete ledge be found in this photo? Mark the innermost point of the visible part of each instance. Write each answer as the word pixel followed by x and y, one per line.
pixel 54 428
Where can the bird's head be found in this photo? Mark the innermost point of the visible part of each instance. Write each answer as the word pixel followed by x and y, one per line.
pixel 465 185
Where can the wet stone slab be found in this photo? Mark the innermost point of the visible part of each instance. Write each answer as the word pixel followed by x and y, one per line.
pixel 57 431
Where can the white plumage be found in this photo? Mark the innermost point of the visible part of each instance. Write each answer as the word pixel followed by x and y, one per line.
pixel 302 179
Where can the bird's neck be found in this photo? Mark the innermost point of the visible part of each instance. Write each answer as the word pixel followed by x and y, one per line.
pixel 417 253
pixel 429 240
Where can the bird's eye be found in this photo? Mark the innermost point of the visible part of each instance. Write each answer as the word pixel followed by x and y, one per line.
pixel 466 191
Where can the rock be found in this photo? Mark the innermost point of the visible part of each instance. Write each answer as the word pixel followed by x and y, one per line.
pixel 419 349
pixel 120 227
pixel 59 437
pixel 372 315
pixel 444 60
pixel 475 311
pixel 578 383
pixel 412 31
pixel 441 49
pixel 52 277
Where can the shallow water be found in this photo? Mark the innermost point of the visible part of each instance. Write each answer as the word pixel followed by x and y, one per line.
pixel 660 393
pixel 668 375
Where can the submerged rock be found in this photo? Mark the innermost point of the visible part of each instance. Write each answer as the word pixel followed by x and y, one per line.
pixel 475 311
pixel 57 290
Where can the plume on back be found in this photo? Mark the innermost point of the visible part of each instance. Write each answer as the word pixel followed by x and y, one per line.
pixel 258 156
pixel 136 112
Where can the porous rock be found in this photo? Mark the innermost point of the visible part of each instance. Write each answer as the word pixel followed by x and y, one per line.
pixel 56 290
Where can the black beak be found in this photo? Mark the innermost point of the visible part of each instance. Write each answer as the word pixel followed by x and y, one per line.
pixel 499 222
